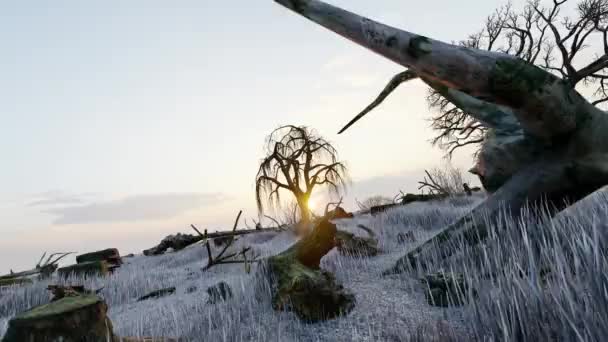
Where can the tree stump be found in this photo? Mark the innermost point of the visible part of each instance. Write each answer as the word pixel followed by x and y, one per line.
pixel 71 319
pixel 298 284
pixel 93 268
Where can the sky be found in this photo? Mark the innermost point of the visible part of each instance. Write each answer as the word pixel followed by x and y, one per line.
pixel 125 121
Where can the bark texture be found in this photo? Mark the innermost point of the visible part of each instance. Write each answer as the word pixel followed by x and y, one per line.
pixel 71 319
pixel 546 142
pixel 298 284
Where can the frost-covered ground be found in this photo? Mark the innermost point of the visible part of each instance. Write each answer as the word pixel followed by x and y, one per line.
pixel 572 303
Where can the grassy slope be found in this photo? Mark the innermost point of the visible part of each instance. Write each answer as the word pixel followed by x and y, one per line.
pixel 572 305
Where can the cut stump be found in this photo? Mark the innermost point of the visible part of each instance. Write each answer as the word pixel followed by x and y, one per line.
pixel 71 319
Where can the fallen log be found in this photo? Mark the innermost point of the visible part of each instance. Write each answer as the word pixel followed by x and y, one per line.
pixel 546 142
pixel 180 241
pixel 299 284
pixel 111 255
pixel 407 199
pixel 85 269
pixel 548 184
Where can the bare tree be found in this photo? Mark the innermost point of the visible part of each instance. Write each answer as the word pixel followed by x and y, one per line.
pixel 444 180
pixel 298 161
pixel 374 201
pixel 539 35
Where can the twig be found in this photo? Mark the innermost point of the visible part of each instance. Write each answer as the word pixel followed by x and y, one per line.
pixel 337 204
pixel 220 258
pixel 274 220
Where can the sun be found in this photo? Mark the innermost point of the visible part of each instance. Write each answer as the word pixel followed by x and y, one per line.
pixel 311 204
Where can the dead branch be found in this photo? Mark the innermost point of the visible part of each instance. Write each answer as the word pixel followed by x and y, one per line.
pixel 221 258
pixel 45 268
pixel 274 220
pixel 431 185
pixel 336 204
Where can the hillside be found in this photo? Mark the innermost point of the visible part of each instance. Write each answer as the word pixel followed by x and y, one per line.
pixel 389 308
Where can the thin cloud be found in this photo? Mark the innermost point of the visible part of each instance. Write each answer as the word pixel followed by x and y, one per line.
pixel 135 208
pixel 57 198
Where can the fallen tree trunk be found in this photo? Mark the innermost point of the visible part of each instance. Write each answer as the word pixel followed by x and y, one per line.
pixel 298 284
pixel 548 143
pixel 111 255
pixel 407 199
pixel 85 269
pixel 180 241
pixel 544 106
pixel 549 184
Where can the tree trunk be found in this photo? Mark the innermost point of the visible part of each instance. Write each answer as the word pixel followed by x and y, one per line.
pixel 303 227
pixel 545 106
pixel 556 149
pixel 556 182
pixel 298 284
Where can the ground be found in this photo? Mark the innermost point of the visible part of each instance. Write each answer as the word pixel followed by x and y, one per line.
pixel 391 308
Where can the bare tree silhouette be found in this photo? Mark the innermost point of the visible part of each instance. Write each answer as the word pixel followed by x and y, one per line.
pixel 298 161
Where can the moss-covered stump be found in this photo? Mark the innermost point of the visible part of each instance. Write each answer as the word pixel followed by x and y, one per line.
pixel 111 255
pixel 93 268
pixel 15 281
pixel 446 289
pixel 71 319
pixel 298 284
pixel 355 246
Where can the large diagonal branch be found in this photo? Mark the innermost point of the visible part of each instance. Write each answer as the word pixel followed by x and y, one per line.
pixel 489 114
pixel 395 82
pixel 592 68
pixel 545 106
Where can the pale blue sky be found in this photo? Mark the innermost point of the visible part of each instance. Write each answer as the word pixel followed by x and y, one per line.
pixel 124 121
